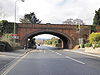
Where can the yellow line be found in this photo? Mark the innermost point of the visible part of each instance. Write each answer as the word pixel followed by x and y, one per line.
pixel 2 55
pixel 11 67
pixel 6 56
pixel 35 50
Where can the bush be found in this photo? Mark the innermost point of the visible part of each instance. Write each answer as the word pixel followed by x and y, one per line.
pixel 81 45
pixel 5 46
pixel 94 37
pixel 97 44
pixel 88 45
pixel 6 38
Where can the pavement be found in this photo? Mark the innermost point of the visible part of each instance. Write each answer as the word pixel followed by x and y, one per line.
pixel 82 51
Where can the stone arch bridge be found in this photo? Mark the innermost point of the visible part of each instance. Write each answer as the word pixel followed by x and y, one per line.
pixel 69 34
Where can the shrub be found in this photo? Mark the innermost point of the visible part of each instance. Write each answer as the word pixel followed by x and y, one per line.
pixel 8 39
pixel 81 45
pixel 97 44
pixel 5 46
pixel 94 37
pixel 88 45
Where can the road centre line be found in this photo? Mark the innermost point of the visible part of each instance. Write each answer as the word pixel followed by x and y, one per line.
pixel 70 58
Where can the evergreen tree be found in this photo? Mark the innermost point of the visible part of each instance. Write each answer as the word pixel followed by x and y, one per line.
pixel 30 18
pixel 96 19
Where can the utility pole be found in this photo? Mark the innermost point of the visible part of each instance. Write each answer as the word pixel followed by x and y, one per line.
pixel 14 32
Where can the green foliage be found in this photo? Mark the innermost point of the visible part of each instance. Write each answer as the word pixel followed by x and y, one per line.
pixel 96 19
pixel 49 42
pixel 97 44
pixel 30 18
pixel 93 29
pixel 24 20
pixel 81 45
pixel 88 45
pixel 94 40
pixel 78 27
pixel 54 42
pixel 8 38
pixel 94 37
pixel 6 27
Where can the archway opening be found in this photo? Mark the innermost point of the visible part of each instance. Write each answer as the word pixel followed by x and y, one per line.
pixel 48 41
pixel 65 41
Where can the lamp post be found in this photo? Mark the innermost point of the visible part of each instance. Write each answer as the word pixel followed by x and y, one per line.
pixel 15 20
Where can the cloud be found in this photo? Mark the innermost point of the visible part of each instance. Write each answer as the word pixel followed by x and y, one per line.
pixel 6 8
pixel 47 36
pixel 53 11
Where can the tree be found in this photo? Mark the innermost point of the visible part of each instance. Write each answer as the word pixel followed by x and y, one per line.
pixel 24 20
pixel 74 22
pixel 96 19
pixel 68 21
pixel 54 42
pixel 30 18
pixel 6 27
pixel 78 22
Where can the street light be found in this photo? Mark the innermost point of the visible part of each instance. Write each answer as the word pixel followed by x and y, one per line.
pixel 15 19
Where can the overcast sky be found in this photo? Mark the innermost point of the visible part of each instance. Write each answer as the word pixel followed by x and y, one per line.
pixel 51 11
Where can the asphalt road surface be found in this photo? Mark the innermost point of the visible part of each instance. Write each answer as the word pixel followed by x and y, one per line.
pixel 7 57
pixel 54 62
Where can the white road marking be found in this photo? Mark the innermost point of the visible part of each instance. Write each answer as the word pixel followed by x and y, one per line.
pixel 58 53
pixel 70 58
pixel 74 60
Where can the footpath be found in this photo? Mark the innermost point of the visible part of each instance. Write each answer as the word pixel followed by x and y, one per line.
pixel 6 58
pixel 87 51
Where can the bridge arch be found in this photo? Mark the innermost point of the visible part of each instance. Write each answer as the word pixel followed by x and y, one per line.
pixel 67 40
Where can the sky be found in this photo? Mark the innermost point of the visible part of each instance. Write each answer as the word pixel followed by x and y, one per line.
pixel 50 11
pixel 44 37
